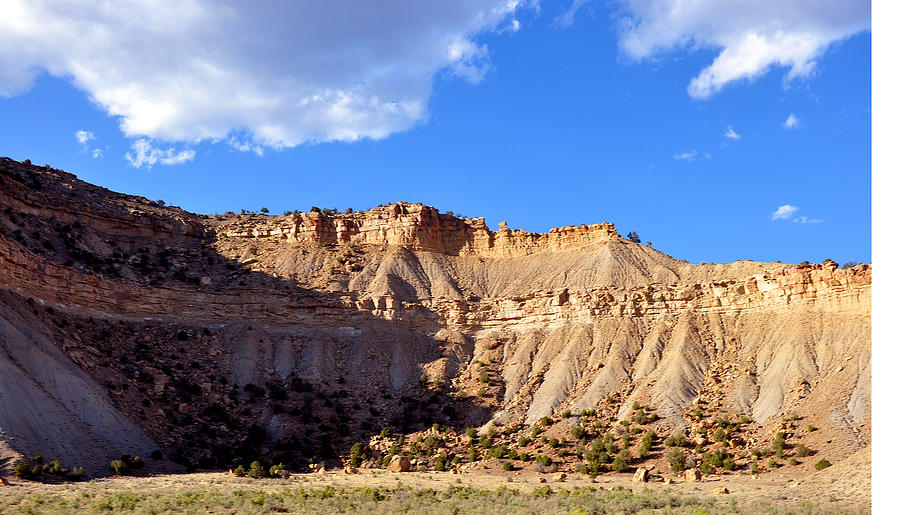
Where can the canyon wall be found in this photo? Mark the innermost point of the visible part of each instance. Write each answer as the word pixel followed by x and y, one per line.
pixel 577 318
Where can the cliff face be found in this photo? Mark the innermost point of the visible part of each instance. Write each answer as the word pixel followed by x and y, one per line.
pixel 176 314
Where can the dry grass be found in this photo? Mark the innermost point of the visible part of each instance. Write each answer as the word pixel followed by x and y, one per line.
pixel 380 492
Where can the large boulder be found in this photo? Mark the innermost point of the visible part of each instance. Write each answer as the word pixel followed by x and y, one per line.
pixel 399 464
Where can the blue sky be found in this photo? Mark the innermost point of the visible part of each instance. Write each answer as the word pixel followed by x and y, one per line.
pixel 522 117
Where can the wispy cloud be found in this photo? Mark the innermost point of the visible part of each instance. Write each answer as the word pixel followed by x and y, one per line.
pixel 805 220
pixel 97 153
pixel 784 212
pixel 730 134
pixel 691 155
pixel 145 154
pixel 792 122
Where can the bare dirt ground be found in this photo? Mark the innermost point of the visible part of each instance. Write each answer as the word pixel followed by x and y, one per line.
pixel 843 488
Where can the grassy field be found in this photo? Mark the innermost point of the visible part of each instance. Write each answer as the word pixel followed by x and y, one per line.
pixel 380 492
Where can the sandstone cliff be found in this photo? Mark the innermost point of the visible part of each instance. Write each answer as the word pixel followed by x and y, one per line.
pixel 133 324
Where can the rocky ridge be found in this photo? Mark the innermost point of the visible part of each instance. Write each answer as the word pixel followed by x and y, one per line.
pixel 514 326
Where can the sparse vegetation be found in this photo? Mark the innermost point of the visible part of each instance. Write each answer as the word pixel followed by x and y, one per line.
pixel 822 464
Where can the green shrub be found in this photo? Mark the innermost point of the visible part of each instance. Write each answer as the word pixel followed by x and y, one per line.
pixel 729 464
pixel 719 435
pixel 134 462
pixel 676 440
pixel 275 468
pixel 23 470
pixel 257 471
pixel 55 468
pixel 566 414
pixel 622 460
pixel 822 464
pixel 507 466
pixel 118 467
pixel 440 463
pixel 471 433
pixel 578 431
pixel 76 474
pixel 523 441
pixel 543 460
pixel 676 459
pixel 240 471
pixel 553 443
pixel 802 451
pixel 646 444
pixel 794 461
pixel 811 428
pixel 545 421
pixel 39 459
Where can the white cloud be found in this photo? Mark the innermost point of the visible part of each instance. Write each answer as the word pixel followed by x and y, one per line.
pixel 691 155
pixel 83 137
pixel 805 220
pixel 97 153
pixel 751 37
pixel 784 212
pixel 281 72
pixel 145 154
pixel 730 134
pixel 792 122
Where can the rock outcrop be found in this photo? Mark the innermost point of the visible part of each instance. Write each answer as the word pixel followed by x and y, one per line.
pixel 135 324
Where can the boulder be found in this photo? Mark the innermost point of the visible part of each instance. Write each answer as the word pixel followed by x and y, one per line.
pixel 283 474
pixel 641 475
pixel 399 464
pixel 691 475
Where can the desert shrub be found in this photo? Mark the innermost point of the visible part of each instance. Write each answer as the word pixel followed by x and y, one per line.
pixel 23 470
pixel 118 467
pixel 523 441
pixel 729 464
pixel 55 468
pixel 802 451
pixel 134 462
pixel 811 428
pixel 639 416
pixel 545 421
pixel 578 431
pixel 240 471
pixel 486 442
pixel 275 468
pixel 76 474
pixel 440 464
pixel 754 469
pixel 676 459
pixel 719 435
pixel 471 433
pixel 794 461
pixel 676 440
pixel 507 466
pixel 553 443
pixel 646 443
pixel 257 471
pixel 621 462
pixel 543 459
pixel 39 459
pixel 822 464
